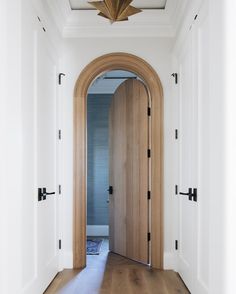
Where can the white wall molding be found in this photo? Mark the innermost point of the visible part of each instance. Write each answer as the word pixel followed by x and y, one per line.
pixel 178 14
pixel 60 11
pixel 87 24
pixel 43 10
pixel 105 31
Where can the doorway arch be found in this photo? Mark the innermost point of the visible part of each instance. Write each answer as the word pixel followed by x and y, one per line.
pixel 102 64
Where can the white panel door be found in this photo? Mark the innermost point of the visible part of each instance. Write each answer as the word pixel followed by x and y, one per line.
pixel 194 156
pixel 46 162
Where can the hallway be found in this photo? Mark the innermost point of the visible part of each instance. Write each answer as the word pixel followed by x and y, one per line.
pixel 156 174
pixel 110 273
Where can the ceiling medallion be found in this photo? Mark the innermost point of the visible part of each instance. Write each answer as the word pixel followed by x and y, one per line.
pixel 115 10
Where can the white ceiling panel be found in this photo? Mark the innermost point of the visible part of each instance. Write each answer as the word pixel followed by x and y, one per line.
pixel 143 4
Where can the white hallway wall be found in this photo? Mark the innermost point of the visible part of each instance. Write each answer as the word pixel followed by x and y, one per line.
pixel 77 54
pixel 10 157
pixel 230 140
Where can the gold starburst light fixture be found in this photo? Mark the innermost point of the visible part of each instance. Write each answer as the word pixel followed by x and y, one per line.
pixel 115 10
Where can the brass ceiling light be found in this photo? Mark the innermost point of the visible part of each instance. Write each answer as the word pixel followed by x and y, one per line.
pixel 115 10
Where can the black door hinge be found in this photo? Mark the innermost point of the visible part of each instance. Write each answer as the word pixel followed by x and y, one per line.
pixel 149 111
pixel 43 28
pixel 176 134
pixel 176 190
pixel 175 76
pixel 59 189
pixel 149 236
pixel 110 190
pixel 176 245
pixel 59 134
pixel 59 244
pixel 149 153
pixel 59 77
pixel 149 195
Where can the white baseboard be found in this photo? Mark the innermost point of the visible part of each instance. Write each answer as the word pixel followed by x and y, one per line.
pixel 67 258
pixel 94 231
pixel 169 261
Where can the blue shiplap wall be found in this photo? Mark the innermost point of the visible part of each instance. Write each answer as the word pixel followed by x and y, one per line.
pixel 98 152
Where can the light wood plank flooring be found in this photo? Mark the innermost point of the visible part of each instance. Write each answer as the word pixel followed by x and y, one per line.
pixel 109 273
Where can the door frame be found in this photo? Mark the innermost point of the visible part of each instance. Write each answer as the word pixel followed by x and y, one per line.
pixel 99 66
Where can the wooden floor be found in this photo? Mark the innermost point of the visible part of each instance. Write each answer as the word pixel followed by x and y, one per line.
pixel 109 273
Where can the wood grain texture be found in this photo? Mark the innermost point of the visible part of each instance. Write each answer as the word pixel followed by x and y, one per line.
pixel 129 171
pixel 105 63
pixel 114 274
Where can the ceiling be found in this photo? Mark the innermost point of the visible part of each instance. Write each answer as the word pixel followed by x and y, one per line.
pixel 77 19
pixel 142 4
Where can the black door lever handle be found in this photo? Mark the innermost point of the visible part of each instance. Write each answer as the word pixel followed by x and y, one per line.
pixel 189 194
pixel 192 194
pixel 46 193
pixel 181 193
pixel 52 193
pixel 42 194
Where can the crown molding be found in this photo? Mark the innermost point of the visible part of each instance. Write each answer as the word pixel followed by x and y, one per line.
pixel 60 11
pixel 86 23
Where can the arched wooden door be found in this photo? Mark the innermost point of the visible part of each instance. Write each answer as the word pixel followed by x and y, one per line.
pixel 129 171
